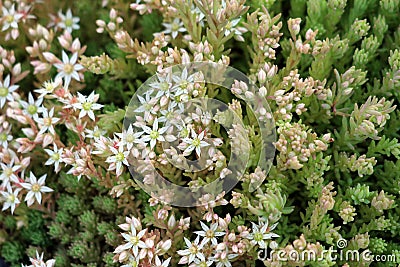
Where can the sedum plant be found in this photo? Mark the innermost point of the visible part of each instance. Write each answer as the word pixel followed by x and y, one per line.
pixel 94 95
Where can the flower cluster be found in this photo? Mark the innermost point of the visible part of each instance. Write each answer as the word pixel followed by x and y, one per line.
pixel 39 262
pixel 297 144
pixel 219 245
pixel 142 246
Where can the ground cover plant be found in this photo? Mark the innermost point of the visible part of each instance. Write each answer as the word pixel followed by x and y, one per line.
pixel 296 163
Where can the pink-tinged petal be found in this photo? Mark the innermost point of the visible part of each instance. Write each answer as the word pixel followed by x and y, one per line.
pixel 67 80
pixel 59 66
pixel 42 179
pixel 26 186
pixel 73 58
pixel 135 251
pixel 126 236
pixel 153 143
pixel 46 189
pixel 141 233
pixel 7 81
pixel 50 57
pixel 201 135
pixel 32 178
pixel 75 75
pixel 142 244
pixel 127 246
pixel 155 125
pixel 187 241
pixel 38 196
pixel 78 67
pixel 65 58
pixel 29 196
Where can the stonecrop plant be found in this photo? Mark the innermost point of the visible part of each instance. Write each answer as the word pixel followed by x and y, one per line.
pixel 199 133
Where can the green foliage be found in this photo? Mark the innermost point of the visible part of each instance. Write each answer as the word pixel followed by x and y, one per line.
pixel 150 23
pixel 12 252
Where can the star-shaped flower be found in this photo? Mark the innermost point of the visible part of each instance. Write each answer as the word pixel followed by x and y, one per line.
pixel 68 69
pixel 36 188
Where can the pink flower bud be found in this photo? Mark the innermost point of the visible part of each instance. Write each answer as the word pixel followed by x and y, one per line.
pixel 17 69
pixel 166 245
pixel 262 76
pixel 171 221
pixel 28 132
pixel 231 237
pixel 63 42
pixel 42 44
pixel 48 139
pixel 50 57
pixel 25 162
pixel 124 226
pixel 76 45
pixel 220 246
pixel 113 14
pixel 39 138
pixel 100 23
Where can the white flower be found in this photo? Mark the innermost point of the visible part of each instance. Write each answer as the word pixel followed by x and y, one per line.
pixel 223 259
pixel 95 133
pixel 170 115
pixel 75 166
pixel 133 262
pixel 10 18
pixel 193 251
pixel 183 82
pixel 11 199
pixel 46 123
pixel 48 87
pixel 147 106
pixel 163 86
pixel 5 137
pixel 162 264
pixel 237 31
pixel 6 91
pixel 119 158
pixel 133 241
pixel 36 188
pixel 199 15
pixel 38 261
pixel 32 108
pixel 261 233
pixel 209 233
pixel 230 26
pixel 87 105
pixel 8 173
pixel 153 134
pixel 68 22
pixel 55 157
pixel 68 69
pixel 194 143
pixel 129 138
pixel 174 27
pixel 201 263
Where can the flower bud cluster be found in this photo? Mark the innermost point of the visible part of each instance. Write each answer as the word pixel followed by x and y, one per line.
pixel 347 212
pixel 368 119
pixel 296 144
pixel 382 202
pixel 292 97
